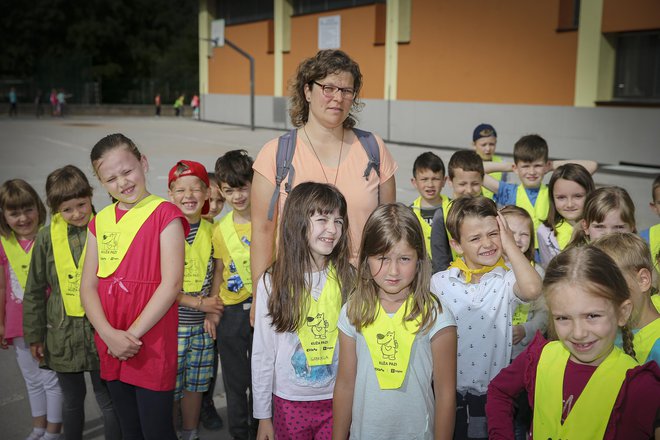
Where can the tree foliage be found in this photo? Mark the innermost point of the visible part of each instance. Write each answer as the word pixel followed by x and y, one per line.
pixel 131 48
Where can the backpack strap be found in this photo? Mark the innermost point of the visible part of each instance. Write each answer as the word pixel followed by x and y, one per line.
pixel 370 145
pixel 286 146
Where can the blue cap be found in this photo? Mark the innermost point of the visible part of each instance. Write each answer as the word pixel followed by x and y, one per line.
pixel 483 130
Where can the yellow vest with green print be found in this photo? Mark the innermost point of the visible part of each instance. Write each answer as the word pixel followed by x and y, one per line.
pixel 318 332
pixel 114 238
pixel 239 251
pixel 497 175
pixel 197 258
pixel 390 342
pixel 538 211
pixel 19 260
pixel 426 228
pixel 590 413
pixel 68 273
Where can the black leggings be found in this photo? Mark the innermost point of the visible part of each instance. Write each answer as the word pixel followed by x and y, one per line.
pixel 143 414
pixel 74 391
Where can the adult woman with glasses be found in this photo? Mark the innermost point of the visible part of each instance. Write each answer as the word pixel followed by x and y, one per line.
pixel 323 97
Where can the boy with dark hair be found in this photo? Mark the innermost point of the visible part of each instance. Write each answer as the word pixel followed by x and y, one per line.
pixel 466 175
pixel 199 309
pixel 233 280
pixel 530 156
pixel 482 294
pixel 428 179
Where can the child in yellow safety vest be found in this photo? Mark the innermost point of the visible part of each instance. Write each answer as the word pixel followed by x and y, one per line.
pixel 580 386
pixel 295 350
pixel 633 257
pixel 568 189
pixel 232 281
pixel 530 157
pixel 199 309
pixel 428 179
pixel 397 363
pixel 57 261
pixel 482 293
pixel 132 274
pixel 22 213
pixel 466 175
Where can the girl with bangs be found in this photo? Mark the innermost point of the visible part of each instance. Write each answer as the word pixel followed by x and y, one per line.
pixel 397 363
pixel 294 351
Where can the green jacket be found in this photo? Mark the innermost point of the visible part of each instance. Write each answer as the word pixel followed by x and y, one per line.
pixel 69 341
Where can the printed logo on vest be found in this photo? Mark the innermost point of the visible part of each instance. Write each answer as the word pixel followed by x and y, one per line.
pixel 319 325
pixel 388 345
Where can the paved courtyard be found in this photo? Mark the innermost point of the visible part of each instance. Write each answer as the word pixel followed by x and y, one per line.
pixel 30 149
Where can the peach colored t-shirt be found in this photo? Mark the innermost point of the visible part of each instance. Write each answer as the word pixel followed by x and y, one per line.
pixel 361 194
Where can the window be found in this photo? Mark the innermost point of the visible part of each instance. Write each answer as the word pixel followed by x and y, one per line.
pixel 244 11
pixel 311 6
pixel 637 75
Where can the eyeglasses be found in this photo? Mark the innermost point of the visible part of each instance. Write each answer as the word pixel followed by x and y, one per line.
pixel 331 91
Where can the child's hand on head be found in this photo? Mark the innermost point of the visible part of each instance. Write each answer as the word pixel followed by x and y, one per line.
pixel 506 236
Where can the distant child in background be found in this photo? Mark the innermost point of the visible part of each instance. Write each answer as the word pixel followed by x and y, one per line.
pixel 157 104
pixel 482 293
pixel 581 386
pixel 466 175
pixel 428 179
pixel 22 214
pixel 132 274
pixel 530 156
pixel 632 256
pixel 568 189
pixel 55 325
pixel 232 280
pixel 397 363
pixel 608 209
pixel 527 318
pixel 216 200
pixel 178 105
pixel 484 140
pixel 194 104
pixel 652 235
pixel 199 309
pixel 294 356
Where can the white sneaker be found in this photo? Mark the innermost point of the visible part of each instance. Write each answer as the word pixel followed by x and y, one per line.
pixel 34 436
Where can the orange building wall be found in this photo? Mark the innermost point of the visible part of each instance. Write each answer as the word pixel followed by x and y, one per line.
pixel 229 71
pixel 630 15
pixel 487 51
pixel 358 28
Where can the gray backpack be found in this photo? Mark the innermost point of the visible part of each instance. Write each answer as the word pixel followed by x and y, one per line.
pixel 286 147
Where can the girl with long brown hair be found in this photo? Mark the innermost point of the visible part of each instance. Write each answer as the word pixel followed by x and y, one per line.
pixel 295 345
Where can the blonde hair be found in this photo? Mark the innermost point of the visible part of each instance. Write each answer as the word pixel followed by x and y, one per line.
pixel 513 210
pixel 18 194
pixel 628 250
pixel 600 203
pixel 594 272
pixel 387 226
pixel 293 266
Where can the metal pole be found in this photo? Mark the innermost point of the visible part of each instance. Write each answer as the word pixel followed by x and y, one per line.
pixel 251 60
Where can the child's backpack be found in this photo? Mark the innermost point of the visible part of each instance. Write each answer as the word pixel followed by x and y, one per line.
pixel 286 147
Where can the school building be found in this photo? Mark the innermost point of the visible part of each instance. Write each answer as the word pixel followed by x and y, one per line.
pixel 585 74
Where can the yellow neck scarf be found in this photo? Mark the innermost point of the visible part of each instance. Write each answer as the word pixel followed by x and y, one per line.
pixel 460 264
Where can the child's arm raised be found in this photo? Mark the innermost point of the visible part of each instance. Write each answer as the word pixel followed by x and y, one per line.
pixel 342 401
pixel 443 350
pixel 590 165
pixel 492 184
pixel 121 344
pixel 171 270
pixel 528 282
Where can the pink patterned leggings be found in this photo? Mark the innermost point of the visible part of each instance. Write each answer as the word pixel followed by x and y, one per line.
pixel 302 420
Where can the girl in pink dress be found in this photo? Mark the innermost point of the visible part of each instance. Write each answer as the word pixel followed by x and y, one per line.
pixel 132 274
